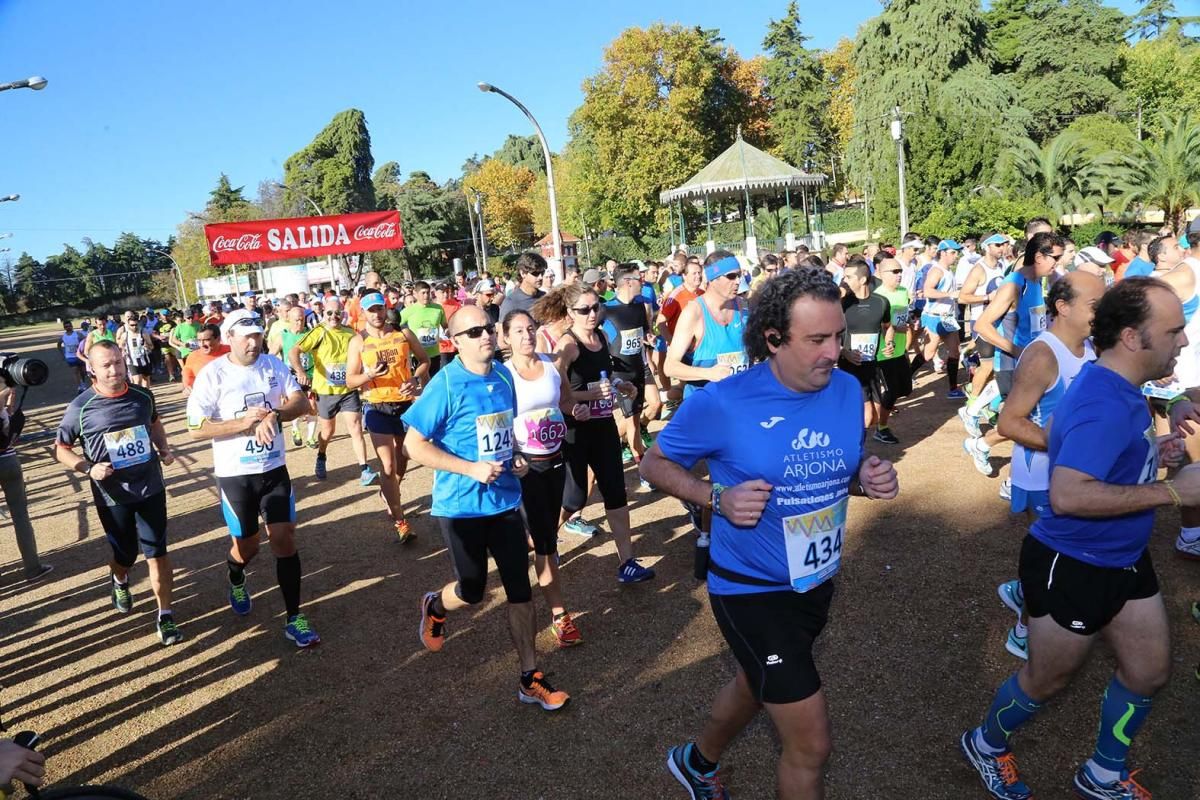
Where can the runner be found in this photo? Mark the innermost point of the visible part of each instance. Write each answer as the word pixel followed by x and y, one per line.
pixel 183 338
pixel 783 441
pixel 294 330
pixel 538 431
pixel 627 325
pixel 979 290
pixel 1084 566
pixel 485 298
pixel 98 333
pixel 427 320
pixel 594 443
pixel 124 445
pixel 679 298
pixel 867 320
pixel 239 402
pixel 462 427
pixel 136 345
pixel 379 363
pixel 1046 368
pixel 706 343
pixel 938 316
pixel 895 378
pixel 553 318
pixel 68 344
pixel 211 348
pixel 327 345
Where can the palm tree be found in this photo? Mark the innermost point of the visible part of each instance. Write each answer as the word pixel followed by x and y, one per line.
pixel 1163 172
pixel 1060 171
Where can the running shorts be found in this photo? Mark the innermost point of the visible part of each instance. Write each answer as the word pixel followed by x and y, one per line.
pixel 771 635
pixel 143 370
pixel 245 498
pixel 541 493
pixel 895 381
pixel 984 348
pixel 1004 379
pixel 384 418
pixel 469 541
pixel 330 405
pixel 594 444
pixel 867 375
pixel 1034 501
pixel 131 525
pixel 938 325
pixel 1081 598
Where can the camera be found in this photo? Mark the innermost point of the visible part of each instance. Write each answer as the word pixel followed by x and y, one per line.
pixel 18 371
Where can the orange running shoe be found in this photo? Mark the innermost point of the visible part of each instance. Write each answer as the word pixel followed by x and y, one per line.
pixel 565 631
pixel 542 693
pixel 433 629
pixel 404 531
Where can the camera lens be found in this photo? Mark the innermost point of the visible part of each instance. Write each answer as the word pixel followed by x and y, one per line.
pixel 25 371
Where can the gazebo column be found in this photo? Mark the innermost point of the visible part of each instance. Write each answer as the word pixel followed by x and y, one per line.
pixel 751 239
pixel 682 230
pixel 789 239
pixel 709 245
pixel 671 225
pixel 807 219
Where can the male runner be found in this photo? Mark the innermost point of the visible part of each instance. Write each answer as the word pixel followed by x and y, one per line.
pixel 783 442
pixel 680 297
pixel 124 443
pixel 938 315
pixel 867 320
pixel 211 348
pixel 895 378
pixel 427 320
pixel 461 427
pixel 327 345
pixel 239 402
pixel 977 291
pixel 706 344
pixel 531 267
pixel 136 345
pixel 1085 568
pixel 68 343
pixel 627 325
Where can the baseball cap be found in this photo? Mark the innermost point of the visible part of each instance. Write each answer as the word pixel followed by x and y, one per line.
pixel 722 266
pixel 948 244
pixel 996 238
pixel 591 276
pixel 1106 237
pixel 911 244
pixel 242 322
pixel 1093 254
pixel 485 286
pixel 371 300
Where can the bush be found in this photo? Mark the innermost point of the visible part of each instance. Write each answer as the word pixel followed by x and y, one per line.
pixel 979 215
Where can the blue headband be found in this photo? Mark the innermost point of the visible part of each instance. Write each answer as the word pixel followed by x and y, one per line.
pixel 721 267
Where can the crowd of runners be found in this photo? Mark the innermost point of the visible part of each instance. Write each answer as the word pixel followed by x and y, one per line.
pixel 526 396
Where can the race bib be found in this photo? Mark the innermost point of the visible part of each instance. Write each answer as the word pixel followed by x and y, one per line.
pixel 735 361
pixel 1037 320
pixel 306 361
pixel 1168 392
pixel 336 374
pixel 129 447
pixel 541 431
pixel 631 342
pixel 428 337
pixel 814 545
pixel 949 323
pixel 600 408
pixel 900 319
pixel 255 453
pixel 494 434
pixel 865 344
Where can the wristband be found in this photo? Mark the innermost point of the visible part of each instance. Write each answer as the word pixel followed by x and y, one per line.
pixel 1175 498
pixel 1176 401
pixel 715 500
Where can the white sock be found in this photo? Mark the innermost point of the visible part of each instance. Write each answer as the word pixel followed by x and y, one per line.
pixel 312 428
pixel 983 746
pixel 989 393
pixel 1101 774
pixel 164 612
pixel 1189 535
pixel 1021 630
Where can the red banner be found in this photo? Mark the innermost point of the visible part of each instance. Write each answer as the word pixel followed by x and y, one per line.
pixel 302 237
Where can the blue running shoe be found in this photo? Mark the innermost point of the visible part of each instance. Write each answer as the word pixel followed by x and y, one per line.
pixel 633 572
pixel 1124 788
pixel 699 787
pixel 368 476
pixel 970 422
pixel 239 599
pixel 580 526
pixel 956 394
pixel 319 471
pixel 1017 645
pixel 298 631
pixel 998 773
pixel 980 455
pixel 1012 596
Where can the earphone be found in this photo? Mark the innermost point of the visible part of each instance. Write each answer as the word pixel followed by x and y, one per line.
pixel 774 340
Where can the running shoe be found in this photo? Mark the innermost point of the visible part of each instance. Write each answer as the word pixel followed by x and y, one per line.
pixel 1186 549
pixel 540 692
pixel 297 440
pixel 998 773
pixel 970 422
pixel 626 455
pixel 580 526
pixel 565 631
pixel 433 629
pixel 42 571
pixel 886 436
pixel 1124 788
pixel 1006 490
pixel 239 599
pixel 168 631
pixel 1017 645
pixel 956 394
pixel 633 572
pixel 644 485
pixel 311 443
pixel 646 440
pixel 368 476
pixel 298 630
pixel 319 471
pixel 122 597
pixel 1012 597
pixel 979 455
pixel 700 786
pixel 404 532
pixel 1196 611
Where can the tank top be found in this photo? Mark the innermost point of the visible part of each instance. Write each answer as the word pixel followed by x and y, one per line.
pixel 991 279
pixel 135 349
pixel 719 344
pixel 1024 321
pixel 547 337
pixel 392 349
pixel 289 338
pixel 584 373
pixel 1187 366
pixel 1031 468
pixel 539 427
pixel 942 307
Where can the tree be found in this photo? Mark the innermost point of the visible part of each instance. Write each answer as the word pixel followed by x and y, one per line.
pixel 522 151
pixel 1164 172
pixel 1103 134
pixel 428 215
pixel 335 168
pixel 507 211
pixel 1061 173
pixel 840 77
pixel 224 197
pixel 1157 17
pixel 796 85
pixel 1161 75
pixel 1009 23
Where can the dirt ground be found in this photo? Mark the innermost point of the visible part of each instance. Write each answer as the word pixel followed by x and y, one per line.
pixel 911 656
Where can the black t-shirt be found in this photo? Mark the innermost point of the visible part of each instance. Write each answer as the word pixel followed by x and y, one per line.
pixel 493 312
pixel 864 323
pixel 116 430
pixel 624 326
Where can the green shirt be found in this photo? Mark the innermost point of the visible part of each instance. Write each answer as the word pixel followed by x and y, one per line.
pixel 898 310
pixel 428 323
pixel 186 332
pixel 289 339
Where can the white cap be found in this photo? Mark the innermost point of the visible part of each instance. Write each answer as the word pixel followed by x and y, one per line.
pixel 242 322
pixel 484 285
pixel 1094 255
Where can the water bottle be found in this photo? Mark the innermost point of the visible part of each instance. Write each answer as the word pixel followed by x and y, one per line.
pixel 700 565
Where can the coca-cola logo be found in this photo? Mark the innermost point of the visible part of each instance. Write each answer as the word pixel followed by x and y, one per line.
pixel 383 230
pixel 233 244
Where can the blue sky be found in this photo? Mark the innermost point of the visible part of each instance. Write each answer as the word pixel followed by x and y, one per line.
pixel 149 102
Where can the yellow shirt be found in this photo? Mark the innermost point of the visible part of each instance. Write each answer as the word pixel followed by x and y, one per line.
pixel 328 350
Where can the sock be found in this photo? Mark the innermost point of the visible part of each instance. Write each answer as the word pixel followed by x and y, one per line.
pixel 990 392
pixel 287 572
pixel 1020 629
pixel 952 372
pixel 696 760
pixel 312 428
pixel 527 678
pixel 164 612
pixel 1121 714
pixel 121 582
pixel 436 608
pixel 1011 709
pixel 1101 774
pixel 1189 535
pixel 237 572
pixel 917 362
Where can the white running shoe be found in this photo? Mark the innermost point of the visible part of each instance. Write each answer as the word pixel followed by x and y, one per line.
pixel 970 422
pixel 1186 549
pixel 1006 490
pixel 979 454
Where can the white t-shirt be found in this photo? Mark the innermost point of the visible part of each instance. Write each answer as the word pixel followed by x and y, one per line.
pixel 224 391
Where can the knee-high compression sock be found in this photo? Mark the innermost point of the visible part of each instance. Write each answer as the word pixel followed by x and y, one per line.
pixel 952 372
pixel 1121 715
pixel 237 572
pixel 917 362
pixel 1010 709
pixel 287 572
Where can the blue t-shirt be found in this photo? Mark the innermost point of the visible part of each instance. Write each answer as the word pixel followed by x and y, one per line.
pixel 806 445
pixel 469 416
pixel 650 296
pixel 1139 268
pixel 673 282
pixel 1102 428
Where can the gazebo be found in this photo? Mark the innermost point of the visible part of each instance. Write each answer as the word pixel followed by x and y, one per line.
pixel 740 173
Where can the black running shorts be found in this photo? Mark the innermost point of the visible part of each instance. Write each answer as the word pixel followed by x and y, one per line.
pixel 330 405
pixel 245 498
pixel 471 539
pixel 895 381
pixel 771 635
pixel 1081 598
pixel 132 525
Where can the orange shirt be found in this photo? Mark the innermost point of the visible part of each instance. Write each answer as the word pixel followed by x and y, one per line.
pixel 197 360
pixel 449 307
pixel 394 350
pixel 673 306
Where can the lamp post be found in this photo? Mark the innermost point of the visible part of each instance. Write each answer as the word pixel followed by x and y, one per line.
pixel 35 82
pixel 320 213
pixel 178 274
pixel 9 198
pixel 898 136
pixel 554 232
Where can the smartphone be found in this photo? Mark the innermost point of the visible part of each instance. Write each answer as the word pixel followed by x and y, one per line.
pixel 257 400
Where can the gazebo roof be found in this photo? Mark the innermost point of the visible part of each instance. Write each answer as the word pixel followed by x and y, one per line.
pixel 741 168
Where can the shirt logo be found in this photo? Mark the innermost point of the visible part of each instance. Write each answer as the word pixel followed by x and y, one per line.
pixel 771 423
pixel 1076 625
pixel 773 660
pixel 807 440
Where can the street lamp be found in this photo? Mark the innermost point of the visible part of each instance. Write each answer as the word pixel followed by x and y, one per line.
pixel 554 232
pixel 35 82
pixel 897 128
pixel 320 213
pixel 9 198
pixel 178 274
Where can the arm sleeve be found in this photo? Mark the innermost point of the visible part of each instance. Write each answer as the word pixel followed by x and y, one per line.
pixel 431 410
pixel 678 441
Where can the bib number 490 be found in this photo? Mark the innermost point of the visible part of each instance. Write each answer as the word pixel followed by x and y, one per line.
pixel 256 449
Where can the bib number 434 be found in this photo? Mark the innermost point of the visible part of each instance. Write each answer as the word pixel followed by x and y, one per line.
pixel 814 545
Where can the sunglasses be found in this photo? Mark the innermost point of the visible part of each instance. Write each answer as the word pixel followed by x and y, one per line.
pixel 477 331
pixel 733 276
pixel 537 273
pixel 594 308
pixel 333 313
pixel 893 271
